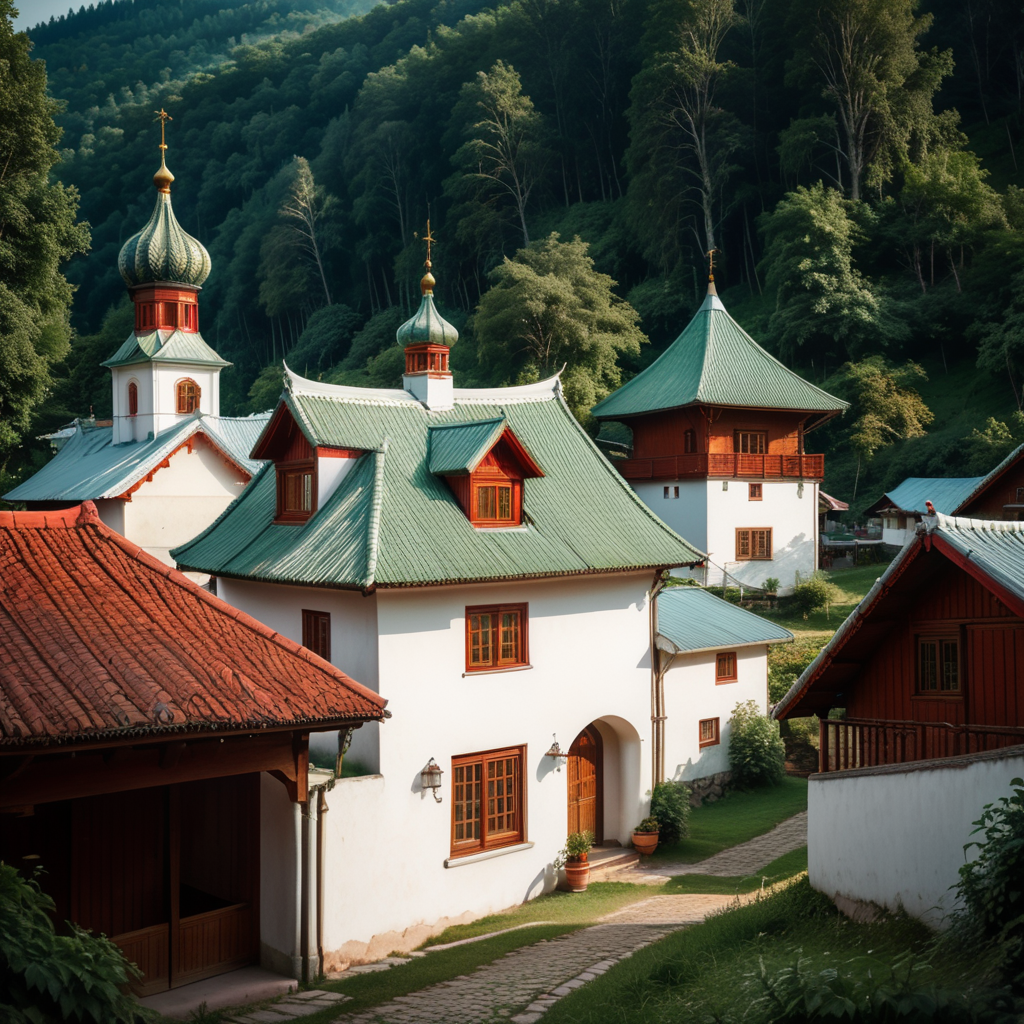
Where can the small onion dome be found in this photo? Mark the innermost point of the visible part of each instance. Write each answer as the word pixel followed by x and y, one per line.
pixel 427 326
pixel 163 250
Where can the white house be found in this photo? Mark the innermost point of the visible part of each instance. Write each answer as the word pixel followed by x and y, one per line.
pixel 470 553
pixel 711 655
pixel 170 463
pixel 902 508
pixel 718 449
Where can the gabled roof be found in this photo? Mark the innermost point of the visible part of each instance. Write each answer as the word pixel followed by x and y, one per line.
pixel 91 466
pixel 986 481
pixel 690 620
pixel 458 449
pixel 945 494
pixel 391 522
pixel 991 551
pixel 826 503
pixel 99 640
pixel 715 362
pixel 165 347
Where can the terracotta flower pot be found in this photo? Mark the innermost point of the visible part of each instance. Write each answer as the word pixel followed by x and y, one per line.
pixel 645 843
pixel 577 874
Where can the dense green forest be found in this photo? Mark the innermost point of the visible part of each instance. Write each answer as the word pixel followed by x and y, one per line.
pixel 854 163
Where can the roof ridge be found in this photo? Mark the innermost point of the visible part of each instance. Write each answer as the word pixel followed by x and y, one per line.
pixel 86 515
pixel 940 521
pixel 373 526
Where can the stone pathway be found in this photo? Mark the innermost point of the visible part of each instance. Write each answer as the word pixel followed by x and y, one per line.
pixel 292 1007
pixel 736 862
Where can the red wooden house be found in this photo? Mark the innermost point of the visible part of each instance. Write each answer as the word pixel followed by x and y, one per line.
pixel 931 663
pixel 154 745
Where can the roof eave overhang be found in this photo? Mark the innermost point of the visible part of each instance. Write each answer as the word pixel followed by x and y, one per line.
pixel 826 414
pixel 663 643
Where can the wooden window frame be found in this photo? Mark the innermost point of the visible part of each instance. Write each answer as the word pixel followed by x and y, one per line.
pixel 723 672
pixel 689 441
pixel 936 640
pixel 316 632
pixel 702 743
pixel 737 443
pixel 133 398
pixel 755 492
pixel 497 663
pixel 463 847
pixel 284 469
pixel 515 489
pixel 182 397
pixel 751 557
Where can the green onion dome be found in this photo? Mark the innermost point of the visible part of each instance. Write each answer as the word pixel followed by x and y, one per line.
pixel 163 250
pixel 427 326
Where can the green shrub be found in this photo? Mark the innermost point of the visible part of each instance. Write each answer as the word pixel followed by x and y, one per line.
pixel 757 755
pixel 814 593
pixel 670 804
pixel 771 585
pixel 45 977
pixel 787 661
pixel 990 885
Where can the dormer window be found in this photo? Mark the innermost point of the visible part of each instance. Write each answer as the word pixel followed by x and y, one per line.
pixel 133 399
pixel 485 465
pixel 296 491
pixel 188 396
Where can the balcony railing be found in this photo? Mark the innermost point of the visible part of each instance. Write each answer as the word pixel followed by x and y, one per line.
pixel 847 743
pixel 723 464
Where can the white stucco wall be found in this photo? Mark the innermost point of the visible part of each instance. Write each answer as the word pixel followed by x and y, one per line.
pixel 588 647
pixel 891 534
pixel 181 500
pixel 896 836
pixel 692 694
pixel 687 514
pixel 279 880
pixel 158 397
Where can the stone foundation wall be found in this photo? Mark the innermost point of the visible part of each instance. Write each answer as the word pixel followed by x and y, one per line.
pixel 710 788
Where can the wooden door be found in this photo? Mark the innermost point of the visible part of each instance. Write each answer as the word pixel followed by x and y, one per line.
pixel 584 767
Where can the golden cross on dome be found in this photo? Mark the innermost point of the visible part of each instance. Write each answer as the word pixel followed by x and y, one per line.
pixel 429 239
pixel 711 263
pixel 163 117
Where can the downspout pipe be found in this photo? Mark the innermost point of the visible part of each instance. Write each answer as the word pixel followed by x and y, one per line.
pixel 657 688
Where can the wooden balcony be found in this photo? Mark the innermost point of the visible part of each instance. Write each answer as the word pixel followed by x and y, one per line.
pixel 728 465
pixel 847 743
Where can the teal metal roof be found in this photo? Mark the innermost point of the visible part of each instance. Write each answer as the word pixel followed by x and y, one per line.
pixel 715 362
pixel 988 479
pixel 945 494
pixel 995 547
pixel 457 449
pixel 391 522
pixel 690 619
pixel 90 466
pixel 165 347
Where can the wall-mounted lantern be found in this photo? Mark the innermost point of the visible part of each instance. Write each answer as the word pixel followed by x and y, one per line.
pixel 430 777
pixel 555 750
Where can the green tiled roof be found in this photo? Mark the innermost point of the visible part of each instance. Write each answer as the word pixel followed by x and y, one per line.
pixel 715 362
pixel 391 522
pixel 90 466
pixel 691 619
pixel 995 547
pixel 165 347
pixel 945 494
pixel 457 449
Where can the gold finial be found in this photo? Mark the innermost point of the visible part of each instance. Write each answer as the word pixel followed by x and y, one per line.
pixel 163 177
pixel 711 263
pixel 427 282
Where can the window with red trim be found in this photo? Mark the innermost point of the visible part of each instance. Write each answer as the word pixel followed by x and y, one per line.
pixel 316 632
pixel 496 637
pixel 296 491
pixel 725 667
pixel 133 399
pixel 487 800
pixel 708 732
pixel 188 395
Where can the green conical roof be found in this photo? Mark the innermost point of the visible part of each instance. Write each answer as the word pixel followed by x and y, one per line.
pixel 715 362
pixel 163 250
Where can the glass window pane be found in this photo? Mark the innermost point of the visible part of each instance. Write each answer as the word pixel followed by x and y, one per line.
pixel 504 502
pixel 950 666
pixel 486 503
pixel 929 675
pixel 510 636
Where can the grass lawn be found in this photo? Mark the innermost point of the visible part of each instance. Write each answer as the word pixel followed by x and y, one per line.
pixel 853 584
pixel 713 971
pixel 734 819
pixel 786 866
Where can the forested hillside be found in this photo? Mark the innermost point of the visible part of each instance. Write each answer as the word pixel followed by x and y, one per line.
pixel 855 163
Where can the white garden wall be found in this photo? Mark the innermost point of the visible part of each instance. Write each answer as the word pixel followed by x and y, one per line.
pixel 895 835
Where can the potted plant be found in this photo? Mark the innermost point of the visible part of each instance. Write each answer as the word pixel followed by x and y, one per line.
pixel 574 857
pixel 645 836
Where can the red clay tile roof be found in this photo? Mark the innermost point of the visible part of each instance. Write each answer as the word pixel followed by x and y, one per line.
pixel 100 640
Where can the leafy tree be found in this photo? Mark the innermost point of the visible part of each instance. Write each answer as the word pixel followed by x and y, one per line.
pixel 885 406
pixel 820 296
pixel 816 592
pixel 505 152
pixel 757 755
pixel 1001 341
pixel 47 978
pixel 683 142
pixel 302 213
pixel 986 448
pixel 326 339
pixel 549 307
pixel 38 233
pixel 266 388
pixel 864 56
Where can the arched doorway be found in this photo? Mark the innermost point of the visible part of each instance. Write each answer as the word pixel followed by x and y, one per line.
pixel 585 771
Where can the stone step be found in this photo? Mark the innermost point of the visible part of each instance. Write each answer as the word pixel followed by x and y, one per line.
pixel 607 860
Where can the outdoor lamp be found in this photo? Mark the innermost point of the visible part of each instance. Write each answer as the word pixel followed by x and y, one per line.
pixel 555 750
pixel 430 777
